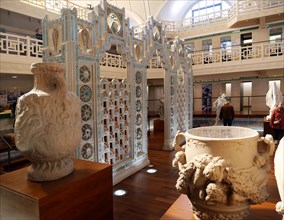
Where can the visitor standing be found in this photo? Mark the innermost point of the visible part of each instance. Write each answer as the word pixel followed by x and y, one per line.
pixel 277 122
pixel 227 114
pixel 38 34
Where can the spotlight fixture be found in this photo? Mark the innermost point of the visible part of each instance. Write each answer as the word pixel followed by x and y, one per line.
pixel 120 192
pixel 152 170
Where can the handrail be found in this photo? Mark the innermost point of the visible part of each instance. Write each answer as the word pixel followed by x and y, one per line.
pixel 243 6
pixel 154 103
pixel 12 44
pixel 246 99
pixel 56 6
pixel 257 50
pixel 20 45
pixel 240 7
pixel 195 22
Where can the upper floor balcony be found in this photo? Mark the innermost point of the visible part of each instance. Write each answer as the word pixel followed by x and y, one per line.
pixel 258 56
pixel 243 13
pixel 249 12
pixel 18 52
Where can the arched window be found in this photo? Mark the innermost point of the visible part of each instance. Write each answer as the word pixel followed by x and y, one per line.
pixel 207 9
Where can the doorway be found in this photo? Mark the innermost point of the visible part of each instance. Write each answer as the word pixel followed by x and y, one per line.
pixel 155 102
pixel 245 96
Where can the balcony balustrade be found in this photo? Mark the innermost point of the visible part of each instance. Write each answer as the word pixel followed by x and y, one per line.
pixel 16 45
pixel 56 6
pixel 196 22
pixel 257 50
pixel 241 7
pixel 12 44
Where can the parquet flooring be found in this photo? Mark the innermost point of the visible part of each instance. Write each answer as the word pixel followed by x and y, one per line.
pixel 149 195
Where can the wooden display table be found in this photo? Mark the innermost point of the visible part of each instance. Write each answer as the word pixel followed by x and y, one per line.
pixel 84 194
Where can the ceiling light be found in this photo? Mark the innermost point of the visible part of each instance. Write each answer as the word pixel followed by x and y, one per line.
pixel 14 77
pixel 120 192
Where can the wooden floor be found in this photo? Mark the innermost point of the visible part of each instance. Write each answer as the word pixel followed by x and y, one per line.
pixel 150 196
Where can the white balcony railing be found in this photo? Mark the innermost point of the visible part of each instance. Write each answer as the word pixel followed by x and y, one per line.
pixel 195 22
pixel 17 45
pixel 20 45
pixel 243 7
pixel 240 7
pixel 55 6
pixel 257 50
pixel 112 60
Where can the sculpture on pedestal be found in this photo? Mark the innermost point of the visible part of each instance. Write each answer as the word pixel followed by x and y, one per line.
pixel 218 103
pixel 221 171
pixel 273 98
pixel 48 124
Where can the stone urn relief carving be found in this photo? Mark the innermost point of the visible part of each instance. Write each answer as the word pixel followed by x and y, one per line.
pixel 48 124
pixel 279 174
pixel 221 170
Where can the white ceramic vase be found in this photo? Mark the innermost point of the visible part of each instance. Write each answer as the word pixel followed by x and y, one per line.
pixel 48 125
pixel 279 174
pixel 221 170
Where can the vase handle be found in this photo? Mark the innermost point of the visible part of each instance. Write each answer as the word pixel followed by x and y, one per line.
pixel 179 145
pixel 268 139
pixel 261 159
pixel 179 141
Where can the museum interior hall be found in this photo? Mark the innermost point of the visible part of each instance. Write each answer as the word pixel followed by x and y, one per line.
pixel 114 109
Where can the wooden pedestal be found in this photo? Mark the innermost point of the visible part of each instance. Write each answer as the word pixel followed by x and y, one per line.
pixel 266 127
pixel 158 125
pixel 84 194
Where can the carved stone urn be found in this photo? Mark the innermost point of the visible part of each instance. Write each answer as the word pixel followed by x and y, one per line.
pixel 279 174
pixel 222 171
pixel 48 125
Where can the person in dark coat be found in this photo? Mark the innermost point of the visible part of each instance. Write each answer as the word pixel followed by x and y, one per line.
pixel 227 114
pixel 38 34
pixel 277 122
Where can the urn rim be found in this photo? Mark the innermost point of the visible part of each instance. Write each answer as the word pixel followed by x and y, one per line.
pixel 247 133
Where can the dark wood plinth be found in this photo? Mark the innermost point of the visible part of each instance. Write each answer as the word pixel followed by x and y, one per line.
pixel 84 194
pixel 158 125
pixel 267 129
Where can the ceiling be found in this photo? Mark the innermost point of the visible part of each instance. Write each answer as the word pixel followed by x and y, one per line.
pixel 139 10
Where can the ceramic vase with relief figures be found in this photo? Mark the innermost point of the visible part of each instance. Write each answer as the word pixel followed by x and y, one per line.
pixel 48 124
pixel 279 174
pixel 222 171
